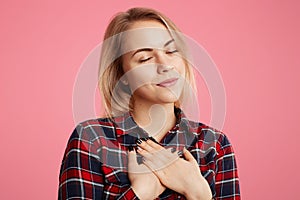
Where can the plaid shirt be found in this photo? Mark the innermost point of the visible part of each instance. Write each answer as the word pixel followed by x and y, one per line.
pixel 94 165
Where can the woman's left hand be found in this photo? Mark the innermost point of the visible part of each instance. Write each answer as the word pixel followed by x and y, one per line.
pixel 182 176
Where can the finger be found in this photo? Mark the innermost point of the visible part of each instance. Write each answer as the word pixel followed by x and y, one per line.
pixel 152 142
pixel 170 153
pixel 154 165
pixel 160 162
pixel 160 158
pixel 188 156
pixel 144 145
pixel 160 170
pixel 133 166
pixel 161 154
pixel 131 156
pixel 144 152
pixel 154 160
pixel 132 162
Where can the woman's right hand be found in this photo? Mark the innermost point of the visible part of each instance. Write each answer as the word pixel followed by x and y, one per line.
pixel 144 183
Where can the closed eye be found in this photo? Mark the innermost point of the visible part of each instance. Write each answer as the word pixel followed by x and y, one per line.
pixel 145 59
pixel 172 51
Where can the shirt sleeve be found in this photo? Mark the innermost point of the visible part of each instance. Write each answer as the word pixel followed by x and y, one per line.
pixel 81 176
pixel 227 181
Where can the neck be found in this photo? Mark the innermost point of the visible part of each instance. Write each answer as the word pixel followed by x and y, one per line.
pixel 156 119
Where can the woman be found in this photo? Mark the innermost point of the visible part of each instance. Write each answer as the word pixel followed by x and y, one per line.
pixel 146 148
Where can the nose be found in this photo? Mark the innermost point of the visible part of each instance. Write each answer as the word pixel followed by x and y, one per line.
pixel 163 68
pixel 163 64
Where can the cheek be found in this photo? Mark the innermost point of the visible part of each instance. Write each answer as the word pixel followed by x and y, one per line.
pixel 180 66
pixel 140 75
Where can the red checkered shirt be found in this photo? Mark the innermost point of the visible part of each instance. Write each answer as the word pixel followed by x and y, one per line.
pixel 94 165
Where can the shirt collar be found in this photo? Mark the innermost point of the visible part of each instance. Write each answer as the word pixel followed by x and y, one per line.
pixel 182 134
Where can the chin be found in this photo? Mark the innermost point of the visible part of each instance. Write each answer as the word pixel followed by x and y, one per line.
pixel 171 98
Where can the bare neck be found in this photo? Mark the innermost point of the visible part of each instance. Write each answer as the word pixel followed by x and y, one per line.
pixel 156 119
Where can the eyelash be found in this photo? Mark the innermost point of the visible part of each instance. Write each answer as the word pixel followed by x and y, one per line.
pixel 167 52
pixel 173 51
pixel 144 60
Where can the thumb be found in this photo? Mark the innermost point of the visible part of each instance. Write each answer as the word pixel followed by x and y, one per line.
pixel 188 156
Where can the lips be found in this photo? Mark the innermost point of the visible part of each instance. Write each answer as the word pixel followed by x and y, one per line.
pixel 168 82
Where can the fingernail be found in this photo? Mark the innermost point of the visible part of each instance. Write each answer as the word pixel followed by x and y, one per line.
pixel 145 139
pixel 173 149
pixel 151 138
pixel 139 141
pixel 180 153
pixel 137 148
pixel 130 148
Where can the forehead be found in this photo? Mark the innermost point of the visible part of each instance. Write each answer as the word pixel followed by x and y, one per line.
pixel 145 34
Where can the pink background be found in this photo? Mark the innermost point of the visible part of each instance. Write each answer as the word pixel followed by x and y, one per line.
pixel 254 45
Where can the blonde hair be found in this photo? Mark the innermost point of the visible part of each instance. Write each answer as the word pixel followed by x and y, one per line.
pixel 115 96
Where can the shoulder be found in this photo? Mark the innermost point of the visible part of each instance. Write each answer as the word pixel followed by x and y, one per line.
pixel 208 134
pixel 92 129
pixel 86 136
pixel 95 122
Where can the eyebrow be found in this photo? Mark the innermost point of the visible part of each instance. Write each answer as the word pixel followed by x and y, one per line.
pixel 150 49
